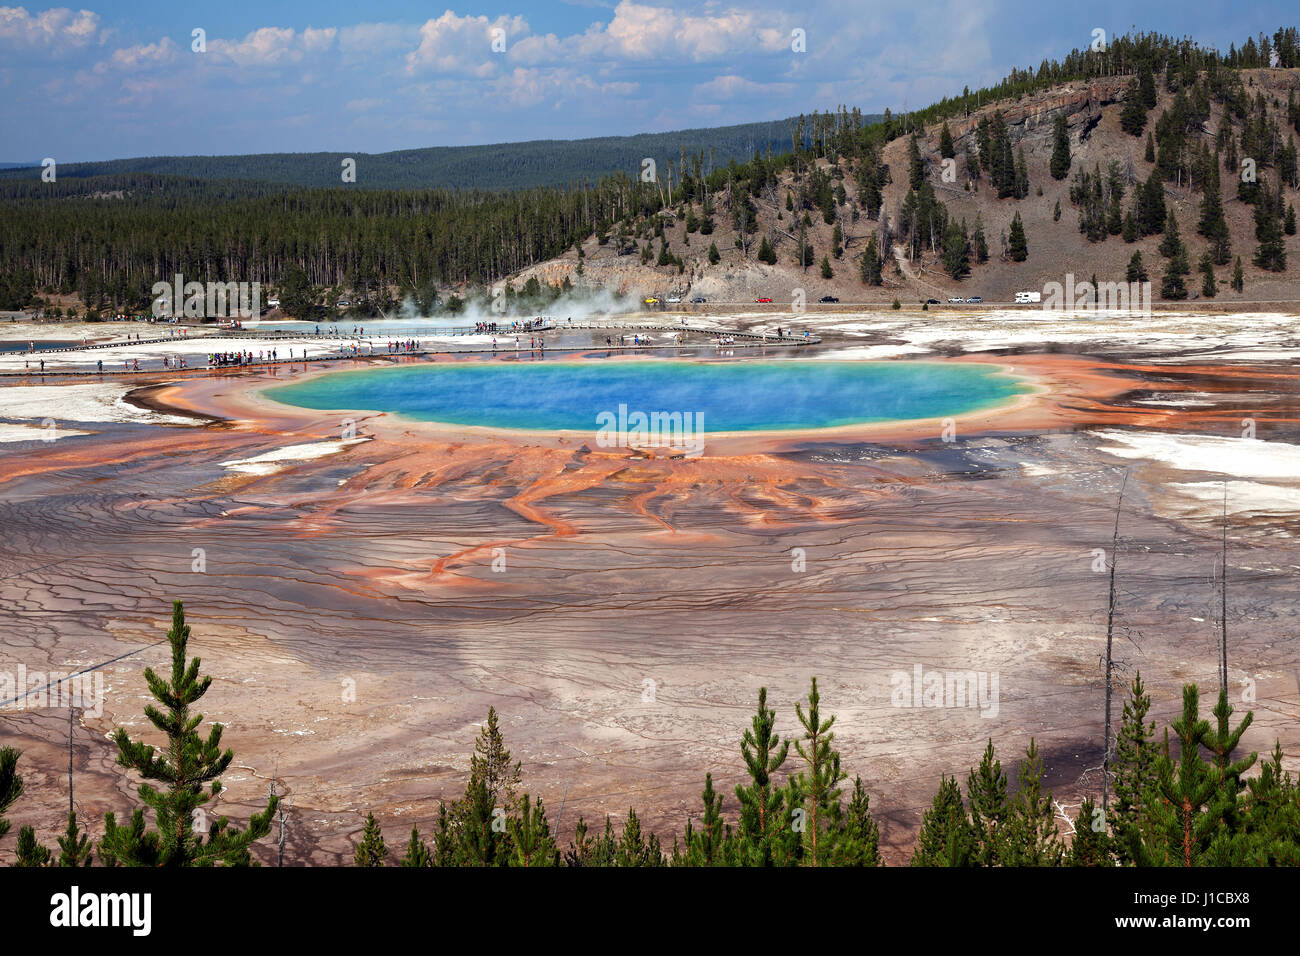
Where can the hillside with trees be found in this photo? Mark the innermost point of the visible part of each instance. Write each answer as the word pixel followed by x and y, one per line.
pixel 498 166
pixel 1154 158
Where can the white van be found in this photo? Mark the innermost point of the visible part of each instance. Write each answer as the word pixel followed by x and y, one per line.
pixel 1023 297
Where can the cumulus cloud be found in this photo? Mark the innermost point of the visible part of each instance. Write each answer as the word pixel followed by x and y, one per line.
pixel 635 65
pixel 644 33
pixel 272 46
pixel 142 56
pixel 56 30
pixel 455 44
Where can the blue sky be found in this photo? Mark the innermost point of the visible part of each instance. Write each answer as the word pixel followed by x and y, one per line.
pixel 121 78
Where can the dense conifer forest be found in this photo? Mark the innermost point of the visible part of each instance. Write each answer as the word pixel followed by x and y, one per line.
pixel 500 166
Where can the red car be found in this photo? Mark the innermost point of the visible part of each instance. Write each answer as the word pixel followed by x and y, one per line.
pixel 764 299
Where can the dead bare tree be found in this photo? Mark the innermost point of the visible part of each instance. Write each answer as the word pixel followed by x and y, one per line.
pixel 282 818
pixel 1223 598
pixel 1110 647
pixel 71 713
pixel 1065 817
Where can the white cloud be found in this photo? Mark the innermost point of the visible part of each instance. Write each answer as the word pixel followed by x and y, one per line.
pixel 54 30
pixel 731 87
pixel 142 56
pixel 643 32
pixel 454 44
pixel 272 46
pixel 532 87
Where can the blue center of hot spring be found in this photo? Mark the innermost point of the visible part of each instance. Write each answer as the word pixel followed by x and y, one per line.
pixel 721 396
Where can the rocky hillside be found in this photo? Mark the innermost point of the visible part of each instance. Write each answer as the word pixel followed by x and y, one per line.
pixel 1056 246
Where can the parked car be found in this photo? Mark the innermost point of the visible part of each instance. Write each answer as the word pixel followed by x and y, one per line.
pixel 674 299
pixel 975 300
pixel 931 301
pixel 955 300
pixel 698 299
pixel 652 301
pixel 828 298
pixel 763 299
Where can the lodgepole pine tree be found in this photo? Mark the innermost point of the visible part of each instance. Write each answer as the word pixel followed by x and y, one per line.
pixel 491 761
pixel 1172 285
pixel 979 243
pixel 1130 228
pixel 371 850
pixel 444 838
pixel 11 784
pixel 1060 161
pixel 74 844
pixel 858 843
pixel 915 164
pixel 417 851
pixel 30 853
pixel 1017 246
pixel 633 848
pixel 604 848
pixel 1209 287
pixel 481 832
pixel 480 838
pixel 817 790
pixel 580 848
pixel 706 846
pixel 1228 843
pixel 945 837
pixel 1091 844
pixel 531 843
pixel 1137 270
pixel 761 802
pixel 1133 118
pixel 1272 820
pixel 870 272
pixel 186 765
pixel 1134 770
pixel 1187 813
pixel 946 149
pixel 1031 837
pixel 986 789
pixel 956 250
pixel 1213 224
pixel 1171 243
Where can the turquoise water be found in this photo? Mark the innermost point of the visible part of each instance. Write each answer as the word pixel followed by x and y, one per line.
pixel 728 396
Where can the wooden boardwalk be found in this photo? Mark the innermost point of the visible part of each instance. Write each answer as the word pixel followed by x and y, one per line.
pixel 745 340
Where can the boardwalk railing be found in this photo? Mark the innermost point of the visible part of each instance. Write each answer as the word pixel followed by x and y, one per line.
pixel 369 351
